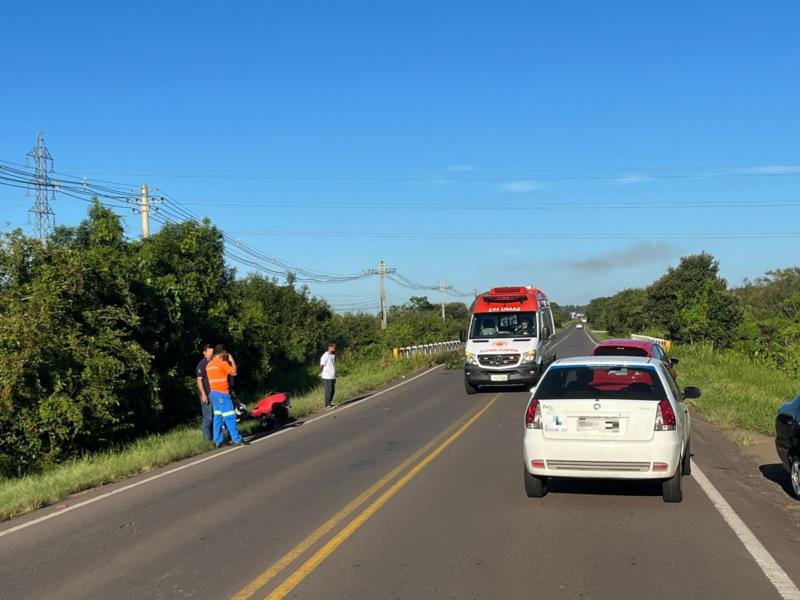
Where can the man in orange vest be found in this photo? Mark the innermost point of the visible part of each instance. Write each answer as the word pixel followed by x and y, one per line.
pixel 218 371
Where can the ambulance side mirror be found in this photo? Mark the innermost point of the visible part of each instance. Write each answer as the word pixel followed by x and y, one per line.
pixel 462 336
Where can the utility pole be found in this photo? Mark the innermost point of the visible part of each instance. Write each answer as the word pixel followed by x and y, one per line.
pixel 443 287
pixel 42 215
pixel 144 207
pixel 382 273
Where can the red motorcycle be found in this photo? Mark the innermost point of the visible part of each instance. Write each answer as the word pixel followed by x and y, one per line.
pixel 272 411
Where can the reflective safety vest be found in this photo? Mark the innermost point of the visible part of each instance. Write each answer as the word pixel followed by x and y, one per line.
pixel 218 371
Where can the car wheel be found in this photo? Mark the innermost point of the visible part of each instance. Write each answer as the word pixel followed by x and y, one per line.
pixel 794 476
pixel 687 459
pixel 535 486
pixel 471 389
pixel 671 489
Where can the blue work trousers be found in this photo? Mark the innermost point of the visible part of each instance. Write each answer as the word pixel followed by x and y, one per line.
pixel 224 412
pixel 207 425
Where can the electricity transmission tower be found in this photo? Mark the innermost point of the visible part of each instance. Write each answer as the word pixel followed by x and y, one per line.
pixel 41 215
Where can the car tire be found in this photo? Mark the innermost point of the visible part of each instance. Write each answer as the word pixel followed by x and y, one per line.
pixel 535 486
pixel 671 489
pixel 794 476
pixel 471 389
pixel 687 460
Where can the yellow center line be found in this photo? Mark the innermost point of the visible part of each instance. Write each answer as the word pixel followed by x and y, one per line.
pixel 330 547
pixel 330 524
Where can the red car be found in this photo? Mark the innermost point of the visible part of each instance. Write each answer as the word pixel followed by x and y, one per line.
pixel 636 348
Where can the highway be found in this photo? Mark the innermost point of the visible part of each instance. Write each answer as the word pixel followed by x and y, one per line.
pixel 413 493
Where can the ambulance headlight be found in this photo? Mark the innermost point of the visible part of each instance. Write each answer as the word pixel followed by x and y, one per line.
pixel 469 359
pixel 529 357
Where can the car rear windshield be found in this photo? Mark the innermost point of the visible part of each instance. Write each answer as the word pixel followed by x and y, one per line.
pixel 587 382
pixel 619 351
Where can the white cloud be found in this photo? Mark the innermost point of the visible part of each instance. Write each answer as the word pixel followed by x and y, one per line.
pixel 776 169
pixel 520 187
pixel 632 178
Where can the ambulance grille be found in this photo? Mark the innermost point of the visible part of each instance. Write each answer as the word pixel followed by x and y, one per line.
pixel 499 360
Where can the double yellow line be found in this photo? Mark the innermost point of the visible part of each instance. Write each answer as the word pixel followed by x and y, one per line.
pixel 330 547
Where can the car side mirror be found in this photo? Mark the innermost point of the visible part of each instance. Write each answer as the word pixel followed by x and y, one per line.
pixel 674 361
pixel 545 333
pixel 462 336
pixel 691 392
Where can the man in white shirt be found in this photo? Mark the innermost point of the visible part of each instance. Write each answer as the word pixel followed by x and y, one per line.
pixel 327 371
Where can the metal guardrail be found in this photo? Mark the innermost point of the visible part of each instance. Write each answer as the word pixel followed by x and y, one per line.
pixel 427 348
pixel 665 344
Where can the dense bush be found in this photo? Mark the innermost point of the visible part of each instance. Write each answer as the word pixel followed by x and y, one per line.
pixel 99 335
pixel 692 303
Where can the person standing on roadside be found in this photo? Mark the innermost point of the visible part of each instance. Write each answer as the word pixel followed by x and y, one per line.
pixel 205 391
pixel 327 371
pixel 218 371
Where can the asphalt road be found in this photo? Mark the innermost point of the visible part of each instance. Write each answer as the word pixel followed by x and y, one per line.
pixel 415 493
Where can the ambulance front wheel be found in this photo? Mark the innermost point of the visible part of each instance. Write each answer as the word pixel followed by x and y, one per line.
pixel 471 389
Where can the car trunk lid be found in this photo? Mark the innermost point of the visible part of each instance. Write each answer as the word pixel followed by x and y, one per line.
pixel 598 419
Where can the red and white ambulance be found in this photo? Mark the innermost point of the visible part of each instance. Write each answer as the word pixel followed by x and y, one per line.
pixel 510 338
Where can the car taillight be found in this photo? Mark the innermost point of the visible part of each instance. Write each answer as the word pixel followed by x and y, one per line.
pixel 533 416
pixel 665 417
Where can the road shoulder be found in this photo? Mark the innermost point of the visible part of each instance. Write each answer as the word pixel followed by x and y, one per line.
pixel 754 483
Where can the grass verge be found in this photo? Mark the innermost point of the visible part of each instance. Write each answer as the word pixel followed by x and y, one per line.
pixel 18 496
pixel 738 393
pixel 600 335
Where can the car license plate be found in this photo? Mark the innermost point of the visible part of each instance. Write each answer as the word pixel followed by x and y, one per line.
pixel 502 377
pixel 607 424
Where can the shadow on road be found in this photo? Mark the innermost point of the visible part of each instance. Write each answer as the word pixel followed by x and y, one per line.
pixel 262 433
pixel 777 474
pixel 356 399
pixel 604 487
pixel 505 389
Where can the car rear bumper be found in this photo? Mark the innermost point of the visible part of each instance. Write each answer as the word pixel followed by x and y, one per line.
pixel 526 374
pixel 612 459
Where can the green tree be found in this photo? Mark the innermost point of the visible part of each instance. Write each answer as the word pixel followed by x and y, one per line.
pixel 625 312
pixel 691 302
pixel 73 377
pixel 597 313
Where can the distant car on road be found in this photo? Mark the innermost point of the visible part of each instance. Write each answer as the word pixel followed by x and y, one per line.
pixel 609 417
pixel 579 326
pixel 787 441
pixel 627 347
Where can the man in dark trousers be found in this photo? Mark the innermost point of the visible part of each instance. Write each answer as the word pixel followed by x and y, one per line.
pixel 327 371
pixel 205 390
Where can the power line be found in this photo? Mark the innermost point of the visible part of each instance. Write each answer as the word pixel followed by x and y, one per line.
pixel 473 175
pixel 537 205
pixel 171 212
pixel 520 235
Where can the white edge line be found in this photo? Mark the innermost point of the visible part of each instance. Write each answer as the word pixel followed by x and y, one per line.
pixel 194 463
pixel 770 567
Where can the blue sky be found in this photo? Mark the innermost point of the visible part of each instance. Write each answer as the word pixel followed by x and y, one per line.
pixel 501 137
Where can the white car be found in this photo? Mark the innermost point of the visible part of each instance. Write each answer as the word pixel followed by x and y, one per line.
pixel 579 326
pixel 608 417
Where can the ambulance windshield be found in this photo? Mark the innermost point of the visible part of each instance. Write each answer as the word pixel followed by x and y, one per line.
pixel 503 325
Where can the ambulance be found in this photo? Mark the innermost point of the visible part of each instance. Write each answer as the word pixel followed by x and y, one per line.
pixel 510 339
